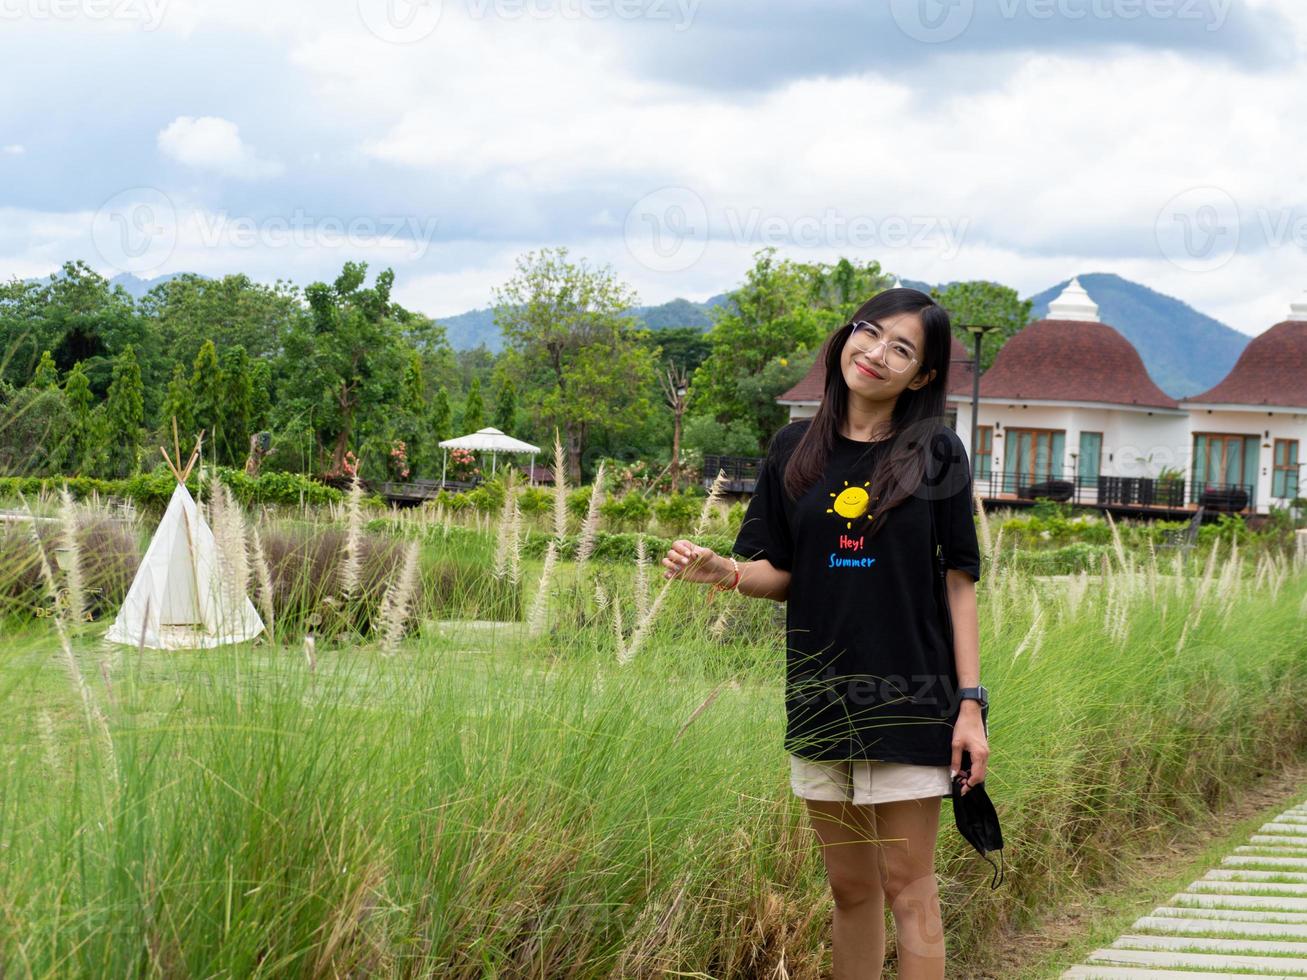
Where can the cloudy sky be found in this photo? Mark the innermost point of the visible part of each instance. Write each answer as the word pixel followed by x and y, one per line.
pixel 1017 140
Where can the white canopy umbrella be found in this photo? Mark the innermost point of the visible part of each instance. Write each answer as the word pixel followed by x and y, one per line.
pixel 489 440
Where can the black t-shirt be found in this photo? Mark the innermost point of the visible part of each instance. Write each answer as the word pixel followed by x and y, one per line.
pixel 869 671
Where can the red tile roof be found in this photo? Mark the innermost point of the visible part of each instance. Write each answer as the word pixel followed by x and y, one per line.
pixel 1072 360
pixel 813 386
pixel 1272 370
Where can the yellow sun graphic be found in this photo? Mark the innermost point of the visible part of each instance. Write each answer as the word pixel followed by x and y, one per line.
pixel 850 502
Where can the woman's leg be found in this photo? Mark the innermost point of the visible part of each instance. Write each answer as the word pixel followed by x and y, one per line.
pixel 847 833
pixel 907 831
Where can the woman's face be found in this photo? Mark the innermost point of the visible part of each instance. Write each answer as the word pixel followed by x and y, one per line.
pixel 866 362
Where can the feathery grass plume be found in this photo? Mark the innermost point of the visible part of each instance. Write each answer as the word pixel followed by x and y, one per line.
pixel 515 550
pixel 74 582
pixel 96 723
pixel 714 497
pixel 1075 591
pixel 397 603
pixel 1117 544
pixel 263 572
pixel 503 542
pixel 1032 634
pixel 641 579
pixel 718 628
pixel 645 619
pixel 233 552
pixel 601 597
pixel 1209 572
pixel 591 524
pixel 703 706
pixel 351 560
pixel 311 651
pixel 540 603
pixel 983 520
pixel 619 632
pixel 560 490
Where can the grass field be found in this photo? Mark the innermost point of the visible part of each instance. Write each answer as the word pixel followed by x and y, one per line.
pixel 595 788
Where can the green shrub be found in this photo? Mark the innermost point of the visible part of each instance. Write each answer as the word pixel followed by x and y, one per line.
pixel 630 510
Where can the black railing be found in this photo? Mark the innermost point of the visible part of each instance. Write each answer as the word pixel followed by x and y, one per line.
pixel 420 489
pixel 1125 491
pixel 741 472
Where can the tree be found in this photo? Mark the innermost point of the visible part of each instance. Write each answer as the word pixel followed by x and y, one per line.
pixel 125 413
pixel 474 409
pixel 260 395
pixel 439 420
pixel 783 311
pixel 86 438
pixel 237 396
pixel 230 311
pixel 410 419
pixel 573 349
pixel 343 366
pixel 177 405
pixel 982 302
pixel 506 407
pixel 47 375
pixel 206 393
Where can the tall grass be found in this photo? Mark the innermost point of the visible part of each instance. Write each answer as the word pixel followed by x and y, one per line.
pixel 569 799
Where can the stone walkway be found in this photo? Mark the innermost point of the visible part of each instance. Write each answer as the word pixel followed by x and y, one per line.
pixel 1246 918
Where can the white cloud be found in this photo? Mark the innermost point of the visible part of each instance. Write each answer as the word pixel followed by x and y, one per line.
pixel 210 143
pixel 14 150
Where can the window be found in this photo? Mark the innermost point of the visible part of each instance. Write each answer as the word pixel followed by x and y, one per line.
pixel 984 451
pixel 1032 456
pixel 1284 478
pixel 1223 460
pixel 1090 462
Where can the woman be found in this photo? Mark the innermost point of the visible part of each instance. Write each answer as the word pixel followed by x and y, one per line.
pixel 839 528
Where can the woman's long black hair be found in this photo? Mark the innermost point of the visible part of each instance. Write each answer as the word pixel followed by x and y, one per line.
pixel 918 414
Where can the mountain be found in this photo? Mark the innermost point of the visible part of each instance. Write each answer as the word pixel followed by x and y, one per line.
pixel 467 330
pixel 138 287
pixel 1185 351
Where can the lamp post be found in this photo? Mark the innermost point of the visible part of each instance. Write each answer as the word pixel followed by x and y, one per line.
pixel 977 331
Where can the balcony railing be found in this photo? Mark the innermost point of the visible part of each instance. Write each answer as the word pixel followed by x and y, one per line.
pixel 1117 490
pixel 741 472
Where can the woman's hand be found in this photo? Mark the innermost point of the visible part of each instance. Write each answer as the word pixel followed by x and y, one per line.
pixel 694 563
pixel 969 734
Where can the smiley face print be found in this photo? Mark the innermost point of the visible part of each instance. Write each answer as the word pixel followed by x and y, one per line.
pixel 850 503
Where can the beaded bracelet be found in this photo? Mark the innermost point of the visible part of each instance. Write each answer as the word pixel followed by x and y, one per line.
pixel 718 587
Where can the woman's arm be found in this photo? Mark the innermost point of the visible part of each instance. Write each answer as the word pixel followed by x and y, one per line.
pixel 762 580
pixel 966 631
pixel 758 578
pixel 969 729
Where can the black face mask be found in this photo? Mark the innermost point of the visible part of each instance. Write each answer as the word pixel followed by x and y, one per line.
pixel 976 819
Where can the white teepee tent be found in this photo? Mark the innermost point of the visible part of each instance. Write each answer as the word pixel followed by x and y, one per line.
pixel 183 596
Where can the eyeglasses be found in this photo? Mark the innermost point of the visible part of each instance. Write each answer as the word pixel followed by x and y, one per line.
pixel 866 336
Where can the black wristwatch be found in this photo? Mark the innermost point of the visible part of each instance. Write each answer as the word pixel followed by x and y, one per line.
pixel 974 694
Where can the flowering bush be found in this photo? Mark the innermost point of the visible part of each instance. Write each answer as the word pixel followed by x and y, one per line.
pixel 462 465
pixel 399 459
pixel 350 464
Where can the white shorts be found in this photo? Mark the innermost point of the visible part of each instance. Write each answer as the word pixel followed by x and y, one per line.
pixel 867 782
